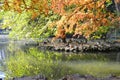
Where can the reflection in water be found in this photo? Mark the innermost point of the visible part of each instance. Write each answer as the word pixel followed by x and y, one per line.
pixel 2 54
pixel 3 50
pixel 118 57
pixel 90 63
pixel 2 76
pixel 50 63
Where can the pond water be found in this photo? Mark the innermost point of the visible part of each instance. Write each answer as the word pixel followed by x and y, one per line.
pixel 3 45
pixel 22 60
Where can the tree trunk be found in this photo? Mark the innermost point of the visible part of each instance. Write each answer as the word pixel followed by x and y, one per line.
pixel 117 5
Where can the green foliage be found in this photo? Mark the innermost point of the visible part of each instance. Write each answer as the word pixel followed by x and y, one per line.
pixel 16 22
pixel 108 3
pixel 40 25
pixel 1 15
pixel 102 31
pixel 70 8
pixel 1 18
pixel 24 27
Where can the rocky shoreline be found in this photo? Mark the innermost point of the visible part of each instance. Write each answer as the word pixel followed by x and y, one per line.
pixel 69 77
pixel 88 77
pixel 79 45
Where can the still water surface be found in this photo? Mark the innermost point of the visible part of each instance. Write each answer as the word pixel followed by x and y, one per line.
pixel 88 63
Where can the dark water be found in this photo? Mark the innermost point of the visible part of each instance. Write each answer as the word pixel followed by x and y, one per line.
pixel 81 62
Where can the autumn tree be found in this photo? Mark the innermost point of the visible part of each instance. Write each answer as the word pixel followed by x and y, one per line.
pixel 82 17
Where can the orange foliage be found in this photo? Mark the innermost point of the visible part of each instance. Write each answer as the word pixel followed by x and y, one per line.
pixel 85 18
pixel 60 34
pixel 6 5
pixel 36 7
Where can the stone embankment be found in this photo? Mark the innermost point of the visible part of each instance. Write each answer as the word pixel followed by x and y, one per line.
pixel 37 77
pixel 88 77
pixel 79 45
pixel 69 77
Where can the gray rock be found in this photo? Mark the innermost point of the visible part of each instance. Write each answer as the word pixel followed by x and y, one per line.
pixel 38 77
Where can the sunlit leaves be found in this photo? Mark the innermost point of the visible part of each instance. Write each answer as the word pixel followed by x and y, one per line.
pixel 34 6
pixel 86 17
pixel 73 16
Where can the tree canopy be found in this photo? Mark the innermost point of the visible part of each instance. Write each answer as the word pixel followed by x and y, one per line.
pixel 60 17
